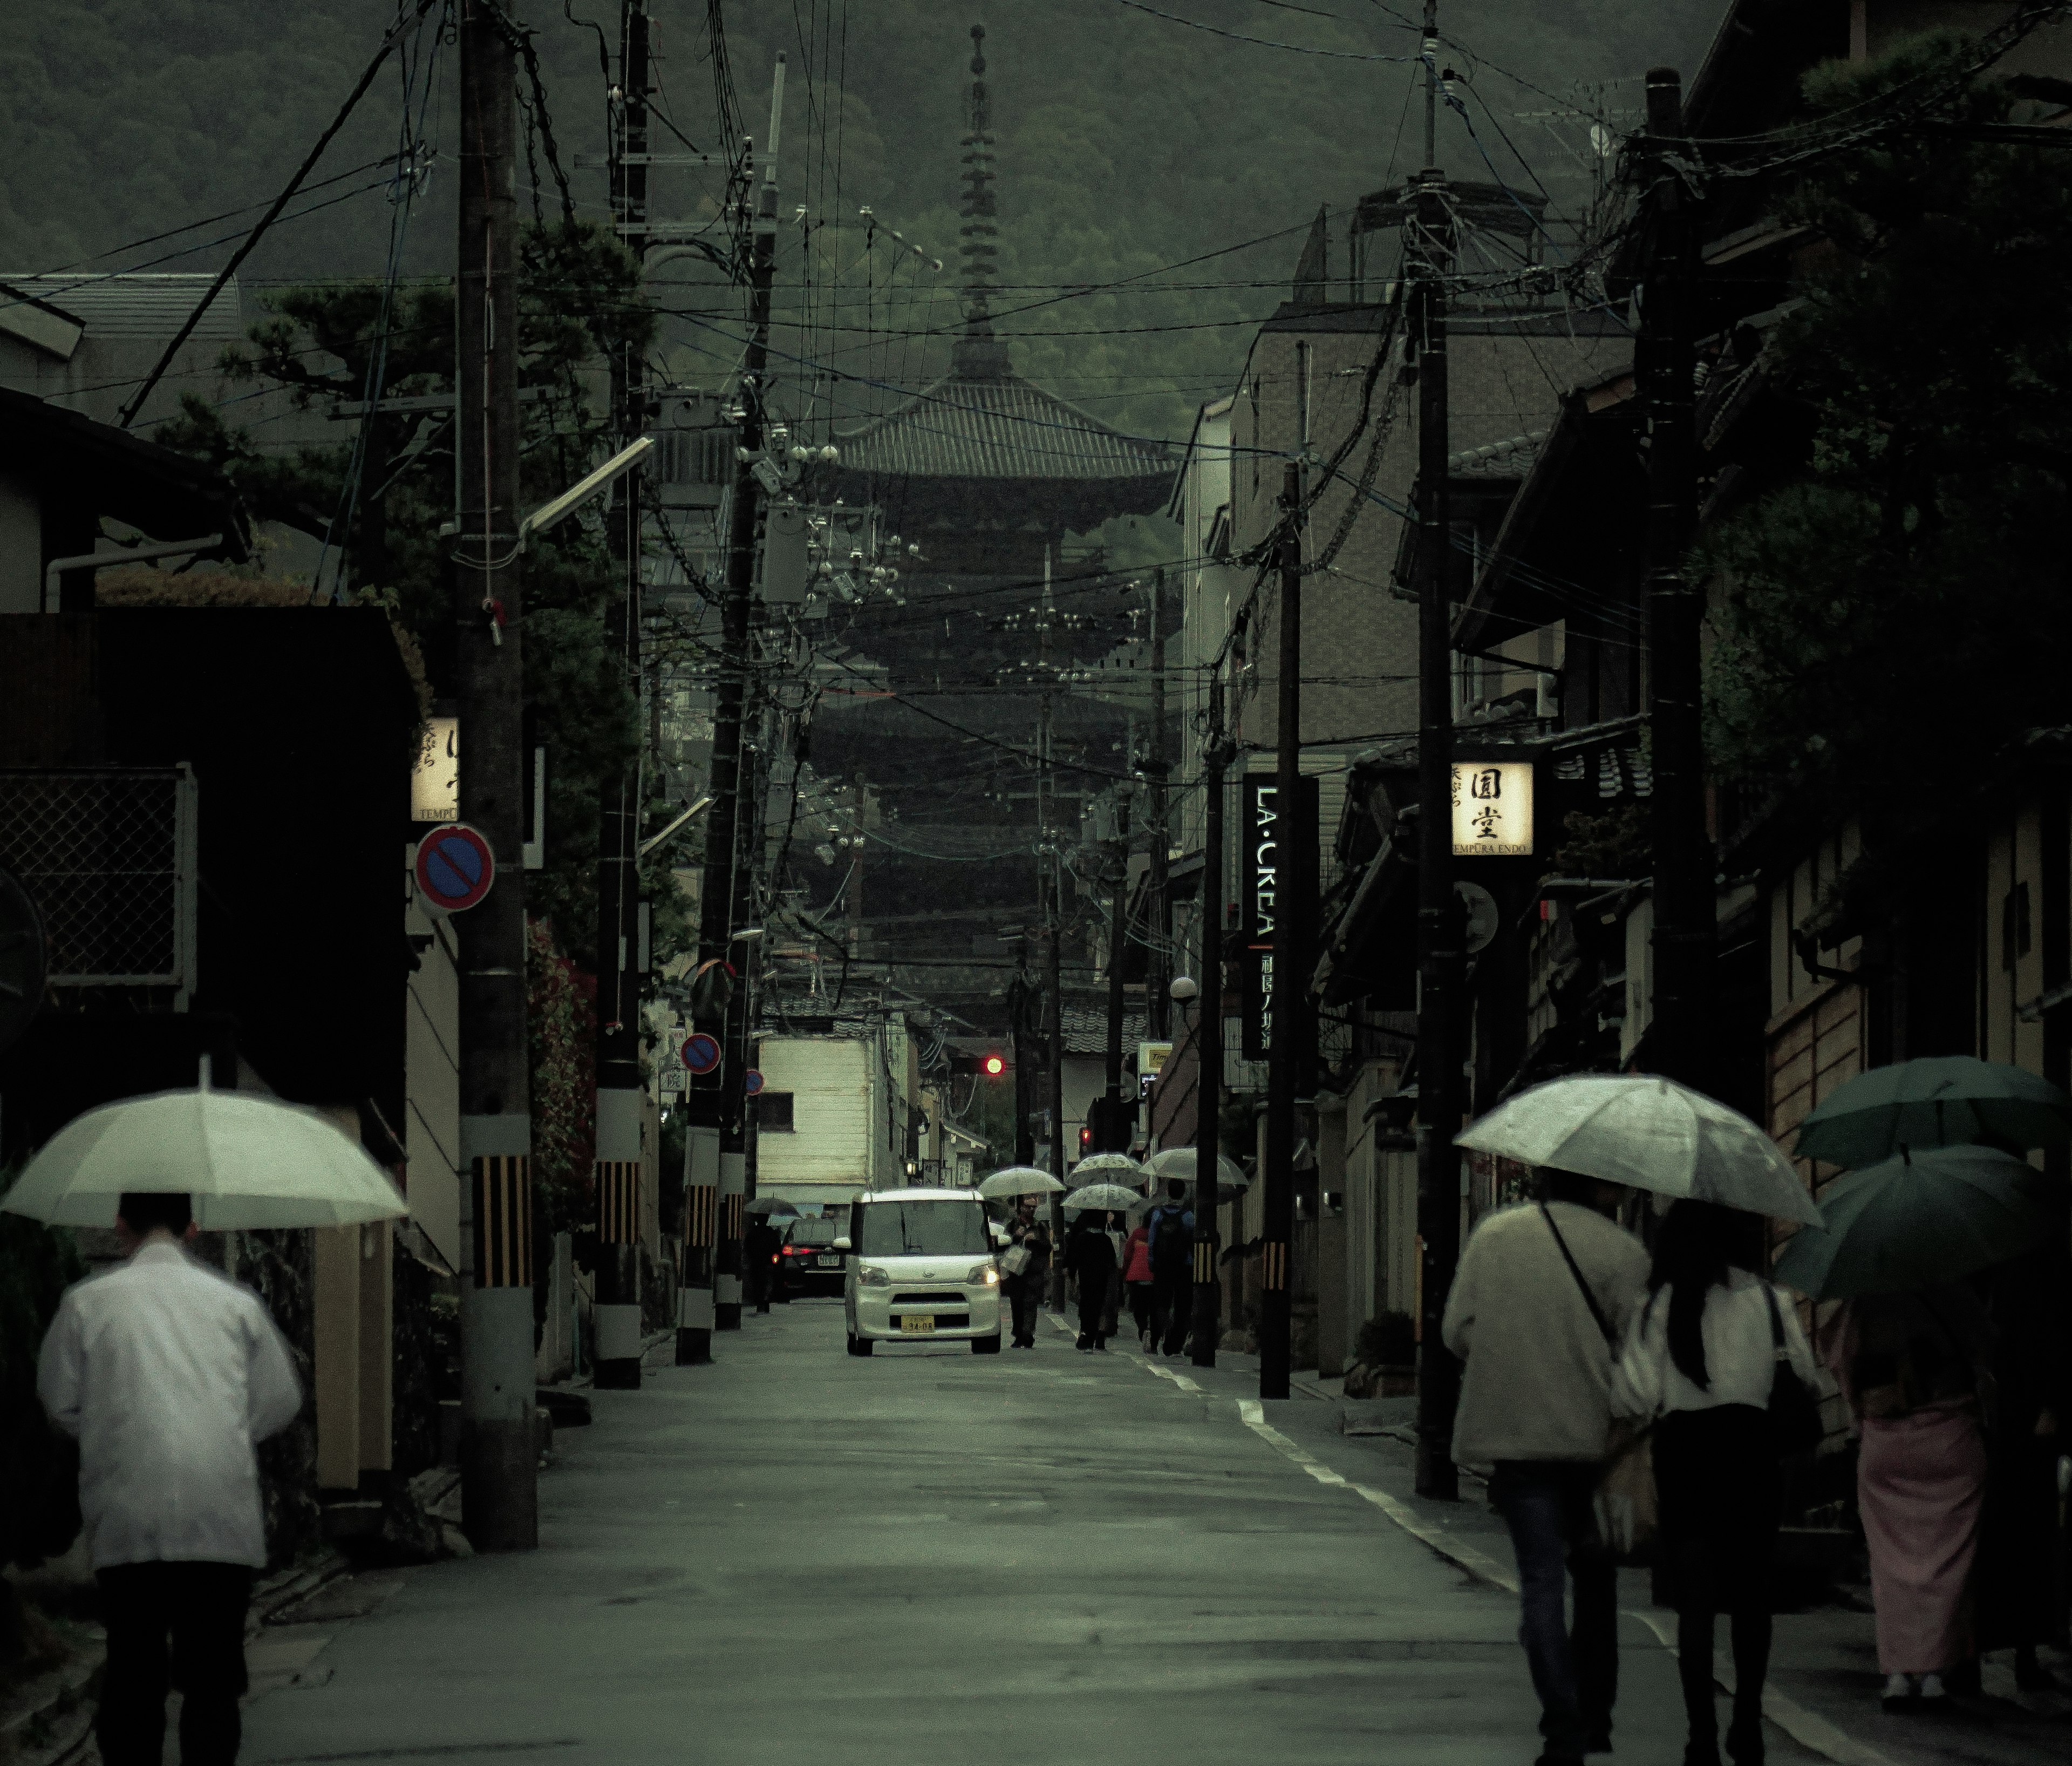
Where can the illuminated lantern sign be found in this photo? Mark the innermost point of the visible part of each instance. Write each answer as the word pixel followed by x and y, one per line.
pixel 1493 809
pixel 1265 823
pixel 435 780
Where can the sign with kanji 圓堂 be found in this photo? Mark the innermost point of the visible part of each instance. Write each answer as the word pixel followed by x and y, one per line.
pixel 1493 809
pixel 435 780
pixel 454 868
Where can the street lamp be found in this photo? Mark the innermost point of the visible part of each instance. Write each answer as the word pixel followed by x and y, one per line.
pixel 577 494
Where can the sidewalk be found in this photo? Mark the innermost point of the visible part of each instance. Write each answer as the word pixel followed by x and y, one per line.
pixel 1824 1683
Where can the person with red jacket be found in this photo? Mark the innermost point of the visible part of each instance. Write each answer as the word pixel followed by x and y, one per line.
pixel 1136 1280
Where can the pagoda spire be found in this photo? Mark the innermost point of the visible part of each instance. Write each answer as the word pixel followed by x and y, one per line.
pixel 978 355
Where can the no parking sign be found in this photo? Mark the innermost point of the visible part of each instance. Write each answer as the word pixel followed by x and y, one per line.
pixel 454 868
pixel 700 1053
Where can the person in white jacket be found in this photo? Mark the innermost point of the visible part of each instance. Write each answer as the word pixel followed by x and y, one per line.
pixel 1701 1355
pixel 1543 1292
pixel 168 1373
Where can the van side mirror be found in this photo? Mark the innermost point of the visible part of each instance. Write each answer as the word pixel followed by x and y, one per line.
pixel 841 1244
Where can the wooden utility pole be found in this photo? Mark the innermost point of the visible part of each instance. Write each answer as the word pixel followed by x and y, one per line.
pixel 1285 1078
pixel 1686 894
pixel 721 1106
pixel 860 806
pixel 1114 1132
pixel 620 1096
pixel 1209 1040
pixel 499 1491
pixel 1050 886
pixel 1158 885
pixel 1439 929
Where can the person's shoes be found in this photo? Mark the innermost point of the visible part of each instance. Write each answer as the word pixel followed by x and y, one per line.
pixel 2030 1675
pixel 1083 1344
pixel 1745 1741
pixel 1702 1750
pixel 1598 1741
pixel 1901 1694
pixel 1933 1691
pixel 1963 1680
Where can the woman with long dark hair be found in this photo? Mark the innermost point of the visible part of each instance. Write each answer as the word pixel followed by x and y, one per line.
pixel 1701 1356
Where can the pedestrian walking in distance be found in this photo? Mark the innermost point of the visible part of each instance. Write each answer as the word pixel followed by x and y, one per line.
pixel 1090 1260
pixel 1169 1233
pixel 1912 1366
pixel 168 1373
pixel 1026 1266
pixel 1137 1280
pixel 1702 1355
pixel 1542 1292
pixel 761 1247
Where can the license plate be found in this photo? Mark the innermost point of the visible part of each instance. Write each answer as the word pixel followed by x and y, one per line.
pixel 918 1324
pixel 829 1262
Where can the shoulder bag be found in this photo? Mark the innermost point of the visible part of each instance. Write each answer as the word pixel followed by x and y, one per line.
pixel 1795 1423
pixel 1627 1512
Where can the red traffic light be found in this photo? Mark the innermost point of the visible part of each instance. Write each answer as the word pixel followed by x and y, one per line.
pixel 993 1066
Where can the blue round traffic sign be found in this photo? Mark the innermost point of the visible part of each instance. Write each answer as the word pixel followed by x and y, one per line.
pixel 454 868
pixel 751 1082
pixel 700 1053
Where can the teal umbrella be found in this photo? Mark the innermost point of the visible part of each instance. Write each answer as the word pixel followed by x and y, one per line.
pixel 1939 1101
pixel 1916 1222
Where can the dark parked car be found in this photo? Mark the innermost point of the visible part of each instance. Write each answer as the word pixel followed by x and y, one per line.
pixel 807 1262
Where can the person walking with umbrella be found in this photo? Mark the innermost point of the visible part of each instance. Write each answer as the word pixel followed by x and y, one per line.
pixel 169 1374
pixel 1091 1260
pixel 1703 1354
pixel 1542 1297
pixel 1029 1249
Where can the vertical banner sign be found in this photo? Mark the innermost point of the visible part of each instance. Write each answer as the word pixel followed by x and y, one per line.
pixel 1262 826
pixel 1493 809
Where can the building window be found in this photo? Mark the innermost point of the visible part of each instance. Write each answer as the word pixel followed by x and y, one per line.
pixel 773 1112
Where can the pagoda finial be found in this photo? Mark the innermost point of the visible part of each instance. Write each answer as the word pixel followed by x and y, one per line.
pixel 978 355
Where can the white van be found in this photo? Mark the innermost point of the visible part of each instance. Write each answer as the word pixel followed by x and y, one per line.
pixel 920 1264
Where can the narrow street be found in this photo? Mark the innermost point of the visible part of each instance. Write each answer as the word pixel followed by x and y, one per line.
pixel 1044 1556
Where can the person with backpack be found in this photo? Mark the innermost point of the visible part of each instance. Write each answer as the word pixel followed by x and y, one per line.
pixel 1705 1355
pixel 1169 1236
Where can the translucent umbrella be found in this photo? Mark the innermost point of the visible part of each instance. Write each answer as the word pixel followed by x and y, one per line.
pixel 774 1206
pixel 1916 1222
pixel 248 1161
pixel 1179 1161
pixel 1019 1180
pixel 1109 1168
pixel 1113 1198
pixel 1651 1133
pixel 1937 1101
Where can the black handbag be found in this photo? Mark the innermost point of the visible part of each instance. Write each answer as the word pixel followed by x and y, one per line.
pixel 1795 1423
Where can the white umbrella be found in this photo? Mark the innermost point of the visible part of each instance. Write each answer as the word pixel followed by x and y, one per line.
pixel 1112 1197
pixel 1109 1168
pixel 1019 1180
pixel 1651 1133
pixel 1179 1161
pixel 248 1160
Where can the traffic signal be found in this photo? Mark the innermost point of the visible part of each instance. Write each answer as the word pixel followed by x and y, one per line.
pixel 992 1064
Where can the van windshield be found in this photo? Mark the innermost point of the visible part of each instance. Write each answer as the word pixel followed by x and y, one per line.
pixel 923 1229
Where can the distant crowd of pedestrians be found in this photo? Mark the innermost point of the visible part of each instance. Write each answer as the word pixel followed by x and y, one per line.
pixel 1148 1268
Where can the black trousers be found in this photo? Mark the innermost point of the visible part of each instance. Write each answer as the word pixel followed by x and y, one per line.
pixel 1025 1296
pixel 173 1624
pixel 1172 1308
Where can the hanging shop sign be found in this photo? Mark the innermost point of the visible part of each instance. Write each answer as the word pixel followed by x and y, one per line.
pixel 435 780
pixel 1493 809
pixel 1264 824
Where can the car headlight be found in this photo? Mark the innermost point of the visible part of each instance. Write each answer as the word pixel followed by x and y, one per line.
pixel 988 1273
pixel 869 1275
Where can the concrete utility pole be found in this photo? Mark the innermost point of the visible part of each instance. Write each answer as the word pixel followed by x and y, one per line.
pixel 1114 1135
pixel 1157 887
pixel 861 805
pixel 1209 1040
pixel 1020 997
pixel 1295 904
pixel 1050 896
pixel 500 1490
pixel 1685 895
pixel 721 1106
pixel 621 1098
pixel 1439 958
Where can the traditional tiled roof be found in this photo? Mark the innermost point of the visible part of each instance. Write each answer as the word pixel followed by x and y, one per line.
pixel 1005 428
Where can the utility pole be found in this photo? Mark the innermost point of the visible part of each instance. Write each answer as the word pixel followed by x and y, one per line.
pixel 1686 895
pixel 861 805
pixel 621 1097
pixel 1438 913
pixel 721 1106
pixel 1157 887
pixel 1291 978
pixel 1051 895
pixel 1114 1136
pixel 1019 993
pixel 500 1461
pixel 1209 1040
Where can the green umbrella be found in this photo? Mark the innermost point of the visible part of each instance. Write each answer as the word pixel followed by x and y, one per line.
pixel 1939 1101
pixel 1916 1222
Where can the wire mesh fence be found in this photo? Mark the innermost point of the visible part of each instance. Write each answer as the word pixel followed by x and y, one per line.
pixel 109 857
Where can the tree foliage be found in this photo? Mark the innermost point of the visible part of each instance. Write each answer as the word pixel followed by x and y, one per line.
pixel 1895 617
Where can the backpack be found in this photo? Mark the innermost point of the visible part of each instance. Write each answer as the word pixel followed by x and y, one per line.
pixel 1172 1245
